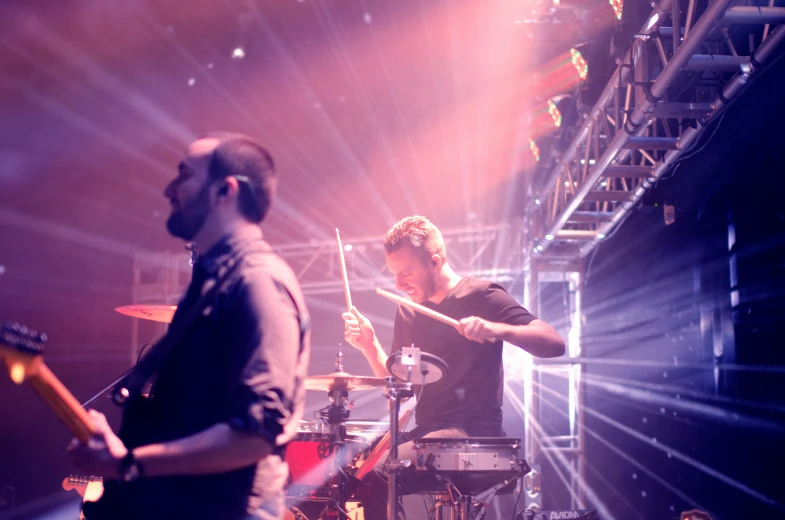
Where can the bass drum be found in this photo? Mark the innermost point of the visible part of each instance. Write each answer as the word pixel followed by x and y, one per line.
pixel 312 462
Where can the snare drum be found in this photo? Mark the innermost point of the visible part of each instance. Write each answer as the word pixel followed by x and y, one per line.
pixel 473 464
pixel 312 463
pixel 467 453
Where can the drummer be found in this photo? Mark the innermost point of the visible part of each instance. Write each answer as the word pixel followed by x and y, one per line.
pixel 467 402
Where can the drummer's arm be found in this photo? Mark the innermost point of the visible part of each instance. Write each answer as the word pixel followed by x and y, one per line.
pixel 536 337
pixel 377 358
pixel 359 332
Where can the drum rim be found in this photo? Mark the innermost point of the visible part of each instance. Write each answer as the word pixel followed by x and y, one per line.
pixel 326 436
pixel 474 442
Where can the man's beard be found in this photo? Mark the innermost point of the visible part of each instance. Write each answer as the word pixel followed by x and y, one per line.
pixel 428 287
pixel 186 222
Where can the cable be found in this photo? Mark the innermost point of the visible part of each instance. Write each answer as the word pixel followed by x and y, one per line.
pixel 690 153
pixel 515 507
pixel 141 351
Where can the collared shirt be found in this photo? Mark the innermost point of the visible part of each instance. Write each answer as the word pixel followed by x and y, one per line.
pixel 241 363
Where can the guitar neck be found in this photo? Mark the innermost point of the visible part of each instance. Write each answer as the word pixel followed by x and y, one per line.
pixel 61 401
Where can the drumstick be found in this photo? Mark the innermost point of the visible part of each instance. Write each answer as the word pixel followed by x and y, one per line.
pixel 343 272
pixel 418 308
pixel 382 446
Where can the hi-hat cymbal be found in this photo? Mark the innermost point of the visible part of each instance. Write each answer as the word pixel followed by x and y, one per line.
pixel 160 313
pixel 432 368
pixel 343 381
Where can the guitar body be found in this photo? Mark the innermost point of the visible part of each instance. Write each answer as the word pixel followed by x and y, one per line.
pixel 146 498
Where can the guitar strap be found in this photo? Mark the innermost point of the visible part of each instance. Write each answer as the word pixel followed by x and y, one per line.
pixel 131 386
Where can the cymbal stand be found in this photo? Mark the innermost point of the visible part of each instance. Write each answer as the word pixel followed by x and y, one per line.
pixel 336 415
pixel 398 391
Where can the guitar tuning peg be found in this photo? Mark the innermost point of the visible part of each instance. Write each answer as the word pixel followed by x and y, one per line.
pixel 41 337
pixel 23 330
pixel 32 333
pixel 14 326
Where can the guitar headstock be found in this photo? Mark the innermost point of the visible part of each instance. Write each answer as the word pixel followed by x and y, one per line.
pixel 19 348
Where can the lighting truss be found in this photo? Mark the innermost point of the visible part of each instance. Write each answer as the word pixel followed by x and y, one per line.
pixel 634 133
pixel 491 252
pixel 631 136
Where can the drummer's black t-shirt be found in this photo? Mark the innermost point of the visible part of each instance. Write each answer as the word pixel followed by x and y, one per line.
pixel 470 396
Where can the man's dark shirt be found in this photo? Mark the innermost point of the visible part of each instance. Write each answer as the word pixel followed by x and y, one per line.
pixel 470 397
pixel 242 363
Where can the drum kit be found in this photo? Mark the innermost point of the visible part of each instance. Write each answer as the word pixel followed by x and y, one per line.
pixel 331 452
pixel 327 458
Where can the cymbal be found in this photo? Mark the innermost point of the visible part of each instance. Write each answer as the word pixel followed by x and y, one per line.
pixel 343 381
pixel 160 313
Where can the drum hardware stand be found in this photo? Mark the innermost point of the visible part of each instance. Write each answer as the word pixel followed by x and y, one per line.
pixel 336 415
pixel 298 515
pixel 396 392
pixel 453 497
pixel 484 499
pixel 463 504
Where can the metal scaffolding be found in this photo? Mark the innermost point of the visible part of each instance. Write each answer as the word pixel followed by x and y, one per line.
pixel 632 135
pixel 492 252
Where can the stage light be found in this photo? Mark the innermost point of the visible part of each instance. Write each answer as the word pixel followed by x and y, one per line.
pixel 630 18
pixel 544 120
pixel 238 53
pixel 535 150
pixel 554 112
pixel 580 63
pixel 617 6
pixel 348 247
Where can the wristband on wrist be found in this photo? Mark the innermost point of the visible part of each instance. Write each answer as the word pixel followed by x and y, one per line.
pixel 130 469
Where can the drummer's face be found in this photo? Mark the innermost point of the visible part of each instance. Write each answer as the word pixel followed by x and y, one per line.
pixel 190 193
pixel 412 275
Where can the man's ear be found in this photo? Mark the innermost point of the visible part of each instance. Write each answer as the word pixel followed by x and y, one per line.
pixel 230 186
pixel 436 261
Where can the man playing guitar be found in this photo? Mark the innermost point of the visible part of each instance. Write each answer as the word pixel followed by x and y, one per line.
pixel 209 440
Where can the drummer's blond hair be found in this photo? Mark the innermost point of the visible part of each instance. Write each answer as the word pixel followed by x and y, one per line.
pixel 420 234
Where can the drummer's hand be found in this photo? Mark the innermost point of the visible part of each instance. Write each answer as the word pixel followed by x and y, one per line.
pixel 479 330
pixel 102 454
pixel 357 330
